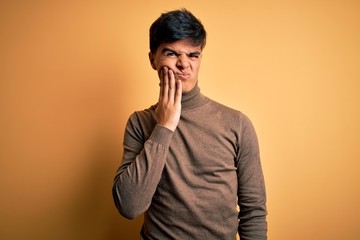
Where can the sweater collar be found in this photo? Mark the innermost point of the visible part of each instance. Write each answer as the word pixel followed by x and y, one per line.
pixel 193 98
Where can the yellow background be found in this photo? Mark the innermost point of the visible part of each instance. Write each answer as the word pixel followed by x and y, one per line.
pixel 72 72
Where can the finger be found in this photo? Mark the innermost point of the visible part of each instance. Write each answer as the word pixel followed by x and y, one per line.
pixel 165 84
pixel 161 93
pixel 178 94
pixel 172 87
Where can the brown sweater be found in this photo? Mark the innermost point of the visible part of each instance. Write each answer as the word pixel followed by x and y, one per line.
pixel 187 182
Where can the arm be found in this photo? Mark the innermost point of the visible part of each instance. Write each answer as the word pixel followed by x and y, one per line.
pixel 144 160
pixel 138 176
pixel 251 187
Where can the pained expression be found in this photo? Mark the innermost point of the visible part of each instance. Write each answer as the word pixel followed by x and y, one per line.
pixel 182 57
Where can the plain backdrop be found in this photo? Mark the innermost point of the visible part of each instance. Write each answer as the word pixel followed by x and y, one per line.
pixel 71 72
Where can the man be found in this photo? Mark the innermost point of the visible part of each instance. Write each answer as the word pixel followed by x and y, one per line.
pixel 188 159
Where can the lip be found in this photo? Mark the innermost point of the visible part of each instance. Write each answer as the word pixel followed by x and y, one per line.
pixel 183 75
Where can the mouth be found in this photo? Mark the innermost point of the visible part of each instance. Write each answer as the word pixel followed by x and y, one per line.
pixel 183 76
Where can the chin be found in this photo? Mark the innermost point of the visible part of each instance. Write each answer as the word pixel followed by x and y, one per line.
pixel 187 89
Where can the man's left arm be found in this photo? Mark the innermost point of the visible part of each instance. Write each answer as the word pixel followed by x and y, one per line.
pixel 251 186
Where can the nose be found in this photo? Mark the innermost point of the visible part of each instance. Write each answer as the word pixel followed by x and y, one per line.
pixel 183 61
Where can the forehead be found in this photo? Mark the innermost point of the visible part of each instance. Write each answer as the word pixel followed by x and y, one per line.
pixel 180 46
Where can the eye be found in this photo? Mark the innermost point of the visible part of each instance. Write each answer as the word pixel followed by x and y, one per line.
pixel 170 54
pixel 194 55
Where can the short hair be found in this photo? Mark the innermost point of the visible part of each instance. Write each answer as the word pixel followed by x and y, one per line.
pixel 177 25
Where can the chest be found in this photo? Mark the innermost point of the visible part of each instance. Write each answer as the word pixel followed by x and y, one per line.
pixel 204 142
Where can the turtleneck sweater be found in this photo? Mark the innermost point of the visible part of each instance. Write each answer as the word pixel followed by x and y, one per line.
pixel 190 182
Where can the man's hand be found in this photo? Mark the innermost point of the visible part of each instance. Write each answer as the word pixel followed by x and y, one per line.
pixel 169 105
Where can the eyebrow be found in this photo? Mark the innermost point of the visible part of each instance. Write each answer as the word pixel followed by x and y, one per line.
pixel 176 53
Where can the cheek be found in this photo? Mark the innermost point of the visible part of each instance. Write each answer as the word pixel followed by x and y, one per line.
pixel 196 66
pixel 166 62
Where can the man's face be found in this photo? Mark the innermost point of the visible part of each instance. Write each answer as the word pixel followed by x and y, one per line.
pixel 182 57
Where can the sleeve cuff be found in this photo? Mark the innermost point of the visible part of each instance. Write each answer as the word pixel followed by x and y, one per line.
pixel 161 135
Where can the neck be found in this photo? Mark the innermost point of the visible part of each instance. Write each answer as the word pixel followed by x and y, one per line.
pixel 192 98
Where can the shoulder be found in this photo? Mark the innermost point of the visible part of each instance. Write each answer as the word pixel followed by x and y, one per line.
pixel 232 114
pixel 144 114
pixel 143 119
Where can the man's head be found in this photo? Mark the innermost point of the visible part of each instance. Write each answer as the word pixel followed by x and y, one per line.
pixel 177 25
pixel 177 39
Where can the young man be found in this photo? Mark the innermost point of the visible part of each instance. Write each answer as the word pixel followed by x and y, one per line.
pixel 188 159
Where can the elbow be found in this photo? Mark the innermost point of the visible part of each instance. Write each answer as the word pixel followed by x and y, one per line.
pixel 128 214
pixel 125 207
pixel 128 211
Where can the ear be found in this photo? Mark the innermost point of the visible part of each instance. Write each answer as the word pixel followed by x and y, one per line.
pixel 152 60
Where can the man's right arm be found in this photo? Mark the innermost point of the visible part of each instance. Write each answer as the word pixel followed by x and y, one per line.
pixel 140 172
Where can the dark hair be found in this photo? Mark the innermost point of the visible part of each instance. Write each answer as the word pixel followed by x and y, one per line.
pixel 177 25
